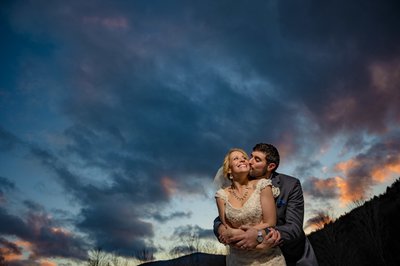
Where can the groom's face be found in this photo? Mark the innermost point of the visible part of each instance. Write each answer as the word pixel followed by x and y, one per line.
pixel 258 165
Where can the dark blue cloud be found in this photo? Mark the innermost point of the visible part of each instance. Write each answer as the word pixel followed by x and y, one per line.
pixel 8 141
pixel 188 232
pixel 6 184
pixel 41 232
pixel 175 215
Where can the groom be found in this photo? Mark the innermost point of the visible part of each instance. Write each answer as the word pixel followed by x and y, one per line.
pixel 288 232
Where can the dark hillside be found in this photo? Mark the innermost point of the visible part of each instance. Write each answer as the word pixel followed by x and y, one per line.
pixel 368 235
pixel 195 259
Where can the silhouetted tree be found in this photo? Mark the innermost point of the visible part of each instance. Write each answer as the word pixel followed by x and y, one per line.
pixel 96 257
pixel 144 255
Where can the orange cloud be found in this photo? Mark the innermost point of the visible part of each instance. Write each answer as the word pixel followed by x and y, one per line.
pixel 323 184
pixel 381 174
pixel 345 167
pixel 25 244
pixel 47 263
pixel 318 222
pixel 169 185
pixel 346 193
pixel 337 186
pixel 11 254
pixel 363 172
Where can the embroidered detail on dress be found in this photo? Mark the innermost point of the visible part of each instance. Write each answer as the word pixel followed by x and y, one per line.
pixel 221 194
pixel 267 182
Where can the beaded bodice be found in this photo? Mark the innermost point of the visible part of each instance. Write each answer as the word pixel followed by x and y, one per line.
pixel 250 213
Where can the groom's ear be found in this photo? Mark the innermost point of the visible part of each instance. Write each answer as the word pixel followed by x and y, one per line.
pixel 271 167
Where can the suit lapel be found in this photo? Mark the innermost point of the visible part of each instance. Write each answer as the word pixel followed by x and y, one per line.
pixel 276 180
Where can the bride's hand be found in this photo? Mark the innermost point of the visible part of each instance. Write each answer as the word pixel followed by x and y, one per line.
pixel 227 234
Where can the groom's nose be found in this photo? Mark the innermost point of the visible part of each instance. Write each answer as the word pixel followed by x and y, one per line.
pixel 251 161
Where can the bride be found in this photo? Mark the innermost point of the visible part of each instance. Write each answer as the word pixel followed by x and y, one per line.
pixel 246 202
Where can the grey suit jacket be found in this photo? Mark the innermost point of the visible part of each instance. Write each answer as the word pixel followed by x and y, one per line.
pixel 290 215
pixel 296 248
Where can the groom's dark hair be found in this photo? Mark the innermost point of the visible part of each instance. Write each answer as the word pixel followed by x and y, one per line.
pixel 271 153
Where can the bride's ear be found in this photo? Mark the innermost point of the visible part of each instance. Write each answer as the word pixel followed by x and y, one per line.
pixel 229 174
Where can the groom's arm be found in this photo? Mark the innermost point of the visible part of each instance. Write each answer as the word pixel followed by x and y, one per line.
pixel 292 229
pixel 217 223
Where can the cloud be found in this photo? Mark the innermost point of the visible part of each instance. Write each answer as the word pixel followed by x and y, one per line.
pixel 371 167
pixel 45 237
pixel 189 239
pixel 14 225
pixel 318 221
pixel 192 231
pixel 321 188
pixel 306 169
pixel 9 250
pixel 115 93
pixel 5 185
pixel 8 141
pixel 357 176
pixel 174 215
pixel 40 234
pixel 47 263
pixel 100 217
pixel 115 226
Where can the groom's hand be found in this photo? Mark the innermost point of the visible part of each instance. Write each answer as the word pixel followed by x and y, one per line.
pixel 247 239
pixel 272 239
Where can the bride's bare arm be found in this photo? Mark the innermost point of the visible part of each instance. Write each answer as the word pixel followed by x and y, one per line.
pixel 221 210
pixel 268 209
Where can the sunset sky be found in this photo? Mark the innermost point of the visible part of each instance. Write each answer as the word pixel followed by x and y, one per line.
pixel 116 115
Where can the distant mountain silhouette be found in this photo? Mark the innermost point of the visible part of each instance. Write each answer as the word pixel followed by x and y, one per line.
pixel 195 259
pixel 368 235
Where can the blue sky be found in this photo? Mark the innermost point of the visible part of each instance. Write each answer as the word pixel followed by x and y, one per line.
pixel 115 115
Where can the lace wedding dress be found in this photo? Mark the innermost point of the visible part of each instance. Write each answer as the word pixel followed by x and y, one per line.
pixel 250 214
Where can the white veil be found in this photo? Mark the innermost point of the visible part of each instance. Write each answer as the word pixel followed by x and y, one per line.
pixel 220 181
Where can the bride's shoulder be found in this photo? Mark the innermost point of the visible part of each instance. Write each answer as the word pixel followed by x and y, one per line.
pixel 222 193
pixel 263 182
pixel 253 183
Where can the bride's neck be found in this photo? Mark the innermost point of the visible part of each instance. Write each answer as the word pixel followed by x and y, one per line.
pixel 240 179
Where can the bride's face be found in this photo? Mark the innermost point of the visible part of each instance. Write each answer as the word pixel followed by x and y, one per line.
pixel 238 163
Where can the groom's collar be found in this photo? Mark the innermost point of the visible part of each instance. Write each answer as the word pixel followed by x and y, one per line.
pixel 275 178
